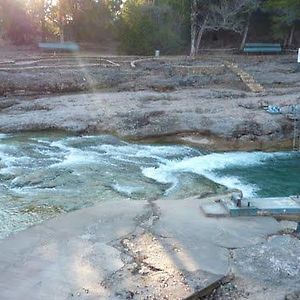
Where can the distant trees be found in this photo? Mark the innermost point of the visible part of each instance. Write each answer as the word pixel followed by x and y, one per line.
pixel 25 21
pixel 140 26
pixel 86 20
pixel 143 27
pixel 16 23
pixel 215 15
pixel 285 18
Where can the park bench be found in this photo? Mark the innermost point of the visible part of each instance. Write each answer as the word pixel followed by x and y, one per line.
pixel 262 48
pixel 60 47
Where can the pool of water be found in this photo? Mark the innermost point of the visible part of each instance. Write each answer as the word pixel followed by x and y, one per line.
pixel 43 174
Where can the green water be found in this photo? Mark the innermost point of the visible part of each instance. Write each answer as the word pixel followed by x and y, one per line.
pixel 278 177
pixel 43 175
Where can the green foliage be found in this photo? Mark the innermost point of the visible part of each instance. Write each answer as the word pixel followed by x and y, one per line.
pixel 92 23
pixel 142 28
pixel 285 14
pixel 182 11
pixel 16 23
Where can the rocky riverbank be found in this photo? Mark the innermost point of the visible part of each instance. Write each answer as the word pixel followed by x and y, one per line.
pixel 216 102
pixel 211 119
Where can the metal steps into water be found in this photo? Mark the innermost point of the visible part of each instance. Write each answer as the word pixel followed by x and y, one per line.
pixel 277 206
pixel 291 112
pixel 294 116
pixel 296 137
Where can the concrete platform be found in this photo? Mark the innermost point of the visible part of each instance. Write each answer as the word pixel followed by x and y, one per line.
pixel 128 250
pixel 214 209
pixel 263 206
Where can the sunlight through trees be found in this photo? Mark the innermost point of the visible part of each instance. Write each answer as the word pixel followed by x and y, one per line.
pixel 140 26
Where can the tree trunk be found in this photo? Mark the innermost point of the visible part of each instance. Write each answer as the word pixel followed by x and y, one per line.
pixel 291 37
pixel 61 35
pixel 245 35
pixel 193 27
pixel 61 22
pixel 43 31
pixel 285 41
pixel 200 34
pixel 43 21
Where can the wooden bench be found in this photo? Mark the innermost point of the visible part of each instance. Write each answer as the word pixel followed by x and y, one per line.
pixel 63 47
pixel 262 48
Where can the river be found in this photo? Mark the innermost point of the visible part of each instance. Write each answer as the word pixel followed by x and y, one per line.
pixel 45 174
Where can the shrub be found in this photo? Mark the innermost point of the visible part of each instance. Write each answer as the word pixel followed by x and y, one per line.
pixel 143 28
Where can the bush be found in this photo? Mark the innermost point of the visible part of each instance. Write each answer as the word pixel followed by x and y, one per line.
pixel 17 25
pixel 93 24
pixel 143 28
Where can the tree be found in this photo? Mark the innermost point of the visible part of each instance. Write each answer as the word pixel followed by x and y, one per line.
pixel 92 21
pixel 115 6
pixel 141 28
pixel 37 10
pixel 16 23
pixel 182 11
pixel 214 15
pixel 285 17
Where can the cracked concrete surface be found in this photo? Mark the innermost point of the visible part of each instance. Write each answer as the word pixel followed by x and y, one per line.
pixel 135 250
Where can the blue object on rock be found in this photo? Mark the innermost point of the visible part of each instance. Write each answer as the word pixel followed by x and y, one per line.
pixel 273 109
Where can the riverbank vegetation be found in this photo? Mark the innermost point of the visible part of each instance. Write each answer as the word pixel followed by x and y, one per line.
pixel 139 26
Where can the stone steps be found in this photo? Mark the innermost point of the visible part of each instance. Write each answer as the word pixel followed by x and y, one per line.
pixel 247 79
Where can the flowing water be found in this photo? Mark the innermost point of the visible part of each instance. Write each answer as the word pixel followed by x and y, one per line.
pixel 45 174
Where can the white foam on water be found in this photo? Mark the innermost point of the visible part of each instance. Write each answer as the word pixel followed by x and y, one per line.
pixel 126 189
pixel 136 154
pixel 144 151
pixel 162 175
pixel 61 145
pixel 41 141
pixel 249 190
pixel 8 159
pixel 4 148
pixel 163 151
pixel 71 156
pixel 76 157
pixel 207 165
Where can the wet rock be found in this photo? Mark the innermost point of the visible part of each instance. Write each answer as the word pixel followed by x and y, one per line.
pixel 248 128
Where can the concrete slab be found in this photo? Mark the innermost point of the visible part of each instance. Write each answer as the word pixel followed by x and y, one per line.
pixel 214 209
pixel 204 242
pixel 275 203
pixel 67 256
pixel 125 249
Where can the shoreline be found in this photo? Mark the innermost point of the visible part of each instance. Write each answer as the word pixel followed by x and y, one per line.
pixel 170 99
pixel 196 140
pixel 150 117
